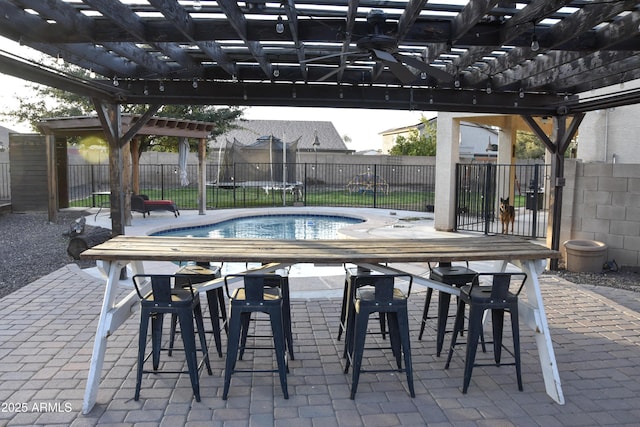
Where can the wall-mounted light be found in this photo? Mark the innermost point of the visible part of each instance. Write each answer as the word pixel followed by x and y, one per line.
pixel 279 25
pixel 535 45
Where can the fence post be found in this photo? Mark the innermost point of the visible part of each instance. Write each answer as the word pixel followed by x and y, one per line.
pixel 487 200
pixel 534 211
pixel 304 188
pixel 375 186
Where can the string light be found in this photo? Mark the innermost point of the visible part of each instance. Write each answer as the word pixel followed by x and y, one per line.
pixel 146 89
pixel 92 74
pixel 535 45
pixel 197 5
pixel 279 25
pixel 116 83
pixel 521 93
pixel 59 60
pixel 161 86
pixel 276 72
pixel 194 83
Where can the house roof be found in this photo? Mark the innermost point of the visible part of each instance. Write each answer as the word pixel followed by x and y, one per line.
pixel 249 131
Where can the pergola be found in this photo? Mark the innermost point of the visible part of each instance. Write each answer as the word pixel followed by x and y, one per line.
pixel 535 58
pixel 133 127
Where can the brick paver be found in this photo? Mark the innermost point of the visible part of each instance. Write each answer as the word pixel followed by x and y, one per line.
pixel 46 339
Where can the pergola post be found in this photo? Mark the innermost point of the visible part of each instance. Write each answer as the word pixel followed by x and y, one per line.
pixel 202 176
pixel 561 136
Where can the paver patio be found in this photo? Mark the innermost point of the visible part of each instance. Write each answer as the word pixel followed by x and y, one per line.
pixel 46 339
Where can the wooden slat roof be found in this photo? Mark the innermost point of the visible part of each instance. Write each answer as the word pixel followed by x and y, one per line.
pixel 450 55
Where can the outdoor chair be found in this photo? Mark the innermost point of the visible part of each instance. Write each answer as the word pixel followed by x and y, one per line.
pixel 497 297
pixel 165 297
pixel 141 203
pixel 453 275
pixel 258 293
pixel 199 273
pixel 379 294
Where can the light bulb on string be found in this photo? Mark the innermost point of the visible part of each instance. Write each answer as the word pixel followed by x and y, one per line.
pixel 197 5
pixel 279 25
pixel 535 45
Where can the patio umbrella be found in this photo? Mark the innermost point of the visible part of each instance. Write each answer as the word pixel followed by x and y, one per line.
pixel 183 152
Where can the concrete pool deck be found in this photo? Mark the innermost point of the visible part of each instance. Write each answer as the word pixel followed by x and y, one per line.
pixel 47 330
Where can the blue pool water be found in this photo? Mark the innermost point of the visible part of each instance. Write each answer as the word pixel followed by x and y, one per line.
pixel 288 227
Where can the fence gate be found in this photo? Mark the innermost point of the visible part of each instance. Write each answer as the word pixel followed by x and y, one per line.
pixel 481 186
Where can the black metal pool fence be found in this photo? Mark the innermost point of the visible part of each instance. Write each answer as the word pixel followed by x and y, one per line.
pixel 238 185
pixel 479 187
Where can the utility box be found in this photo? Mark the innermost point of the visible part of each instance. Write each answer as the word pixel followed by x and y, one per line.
pixel 535 200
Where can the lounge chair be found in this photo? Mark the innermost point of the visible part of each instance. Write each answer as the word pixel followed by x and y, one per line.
pixel 141 203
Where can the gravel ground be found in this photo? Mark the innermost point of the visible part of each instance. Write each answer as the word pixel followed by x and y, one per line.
pixel 33 247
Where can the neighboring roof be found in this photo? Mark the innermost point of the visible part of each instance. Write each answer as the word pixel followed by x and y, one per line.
pixel 400 129
pixel 249 131
pixel 4 135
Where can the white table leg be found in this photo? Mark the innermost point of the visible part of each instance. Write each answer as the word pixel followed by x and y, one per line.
pixel 112 315
pixel 532 313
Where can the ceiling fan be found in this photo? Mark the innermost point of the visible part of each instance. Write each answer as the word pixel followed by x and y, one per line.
pixel 383 49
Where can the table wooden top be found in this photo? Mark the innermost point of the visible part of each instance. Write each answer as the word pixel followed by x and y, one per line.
pixel 158 248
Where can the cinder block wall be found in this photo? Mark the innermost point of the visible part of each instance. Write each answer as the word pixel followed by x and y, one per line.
pixel 601 201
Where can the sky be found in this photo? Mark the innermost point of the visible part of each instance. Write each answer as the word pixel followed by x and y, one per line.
pixel 360 125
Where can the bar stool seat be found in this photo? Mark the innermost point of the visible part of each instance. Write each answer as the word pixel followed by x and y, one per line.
pixel 379 294
pixel 347 295
pixel 258 293
pixel 202 272
pixel 182 301
pixel 454 275
pixel 498 298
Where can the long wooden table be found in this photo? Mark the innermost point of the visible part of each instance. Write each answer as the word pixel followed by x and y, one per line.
pixel 376 253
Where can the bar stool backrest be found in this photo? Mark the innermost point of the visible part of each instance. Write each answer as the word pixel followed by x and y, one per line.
pixel 384 285
pixel 255 285
pixel 162 286
pixel 500 284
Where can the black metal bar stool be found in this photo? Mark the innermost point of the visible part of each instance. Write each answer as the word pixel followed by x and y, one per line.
pixel 281 282
pixel 379 294
pixel 257 293
pixel 347 297
pixel 167 298
pixel 454 275
pixel 499 299
pixel 203 272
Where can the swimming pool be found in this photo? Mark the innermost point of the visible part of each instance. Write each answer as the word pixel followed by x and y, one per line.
pixel 280 226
